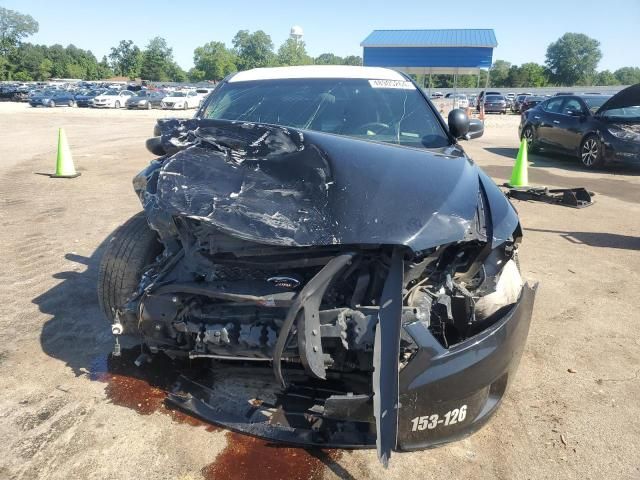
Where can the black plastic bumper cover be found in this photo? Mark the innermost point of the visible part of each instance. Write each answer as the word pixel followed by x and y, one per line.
pixel 436 385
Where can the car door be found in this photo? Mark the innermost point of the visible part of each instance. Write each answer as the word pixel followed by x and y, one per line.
pixel 572 123
pixel 547 118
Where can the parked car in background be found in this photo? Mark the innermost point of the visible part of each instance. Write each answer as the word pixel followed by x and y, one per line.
pixel 146 99
pixel 112 99
pixel 53 98
pixel 460 100
pixel 203 92
pixel 7 92
pixel 482 99
pixel 530 102
pixel 515 107
pixel 20 95
pixel 596 128
pixel 510 97
pixel 181 100
pixel 85 97
pixel 437 95
pixel 495 104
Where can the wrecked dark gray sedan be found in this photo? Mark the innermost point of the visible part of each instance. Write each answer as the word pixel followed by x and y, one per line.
pixel 320 239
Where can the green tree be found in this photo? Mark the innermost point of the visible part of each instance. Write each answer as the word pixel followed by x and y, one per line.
pixel 328 59
pixel 606 77
pixel 213 61
pixel 22 77
pixel 499 75
pixel 527 75
pixel 573 58
pixel 293 52
pixel 14 26
pixel 628 75
pixel 126 59
pixel 254 50
pixel 157 61
pixel 104 69
pixel 355 60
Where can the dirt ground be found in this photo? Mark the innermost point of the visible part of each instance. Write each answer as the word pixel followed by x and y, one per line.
pixel 68 411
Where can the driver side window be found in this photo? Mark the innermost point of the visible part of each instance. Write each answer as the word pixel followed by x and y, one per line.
pixel 571 105
pixel 554 105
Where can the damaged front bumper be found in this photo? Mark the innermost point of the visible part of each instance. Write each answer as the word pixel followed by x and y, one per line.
pixel 444 394
pixel 396 317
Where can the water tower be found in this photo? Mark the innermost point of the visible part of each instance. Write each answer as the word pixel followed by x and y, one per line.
pixel 296 33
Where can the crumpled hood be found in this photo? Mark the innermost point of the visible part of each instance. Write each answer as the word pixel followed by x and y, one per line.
pixel 277 185
pixel 630 96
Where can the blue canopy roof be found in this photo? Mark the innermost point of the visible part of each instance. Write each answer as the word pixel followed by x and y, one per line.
pixel 431 38
pixel 454 51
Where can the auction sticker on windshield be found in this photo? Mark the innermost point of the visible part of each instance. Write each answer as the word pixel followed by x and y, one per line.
pixel 401 84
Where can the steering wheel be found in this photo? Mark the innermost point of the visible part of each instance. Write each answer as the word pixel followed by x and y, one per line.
pixel 371 126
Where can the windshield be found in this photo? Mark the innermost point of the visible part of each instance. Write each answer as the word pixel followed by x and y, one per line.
pixel 178 94
pixel 112 92
pixel 594 103
pixel 494 98
pixel 625 113
pixel 392 112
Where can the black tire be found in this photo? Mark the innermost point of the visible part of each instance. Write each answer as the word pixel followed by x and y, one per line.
pixel 132 248
pixel 52 104
pixel 71 103
pixel 529 135
pixel 590 153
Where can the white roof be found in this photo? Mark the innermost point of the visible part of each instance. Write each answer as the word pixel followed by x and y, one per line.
pixel 317 71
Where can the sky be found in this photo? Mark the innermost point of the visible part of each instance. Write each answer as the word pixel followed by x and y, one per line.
pixel 524 30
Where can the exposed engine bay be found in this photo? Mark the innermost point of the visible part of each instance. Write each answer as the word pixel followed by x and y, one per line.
pixel 294 252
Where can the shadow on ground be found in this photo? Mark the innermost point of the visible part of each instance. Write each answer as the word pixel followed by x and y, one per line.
pixel 596 239
pixel 565 162
pixel 79 335
pixel 603 185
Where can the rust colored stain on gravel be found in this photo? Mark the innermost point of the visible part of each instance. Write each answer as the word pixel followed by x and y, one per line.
pixel 143 388
pixel 248 457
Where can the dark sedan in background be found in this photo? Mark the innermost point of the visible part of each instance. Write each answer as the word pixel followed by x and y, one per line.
pixel 495 104
pixel 146 99
pixel 83 98
pixel 515 107
pixel 596 128
pixel 53 98
pixel 530 102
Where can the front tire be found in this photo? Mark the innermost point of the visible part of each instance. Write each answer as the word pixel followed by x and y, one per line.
pixel 131 249
pixel 529 135
pixel 117 105
pixel 591 152
pixel 52 104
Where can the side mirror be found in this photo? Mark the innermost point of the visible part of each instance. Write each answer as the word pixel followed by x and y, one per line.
pixel 476 129
pixel 154 145
pixel 458 123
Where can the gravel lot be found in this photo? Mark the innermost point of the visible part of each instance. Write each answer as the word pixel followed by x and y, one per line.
pixel 67 411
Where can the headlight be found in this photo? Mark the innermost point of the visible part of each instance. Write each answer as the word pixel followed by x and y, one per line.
pixel 624 134
pixel 141 102
pixel 45 100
